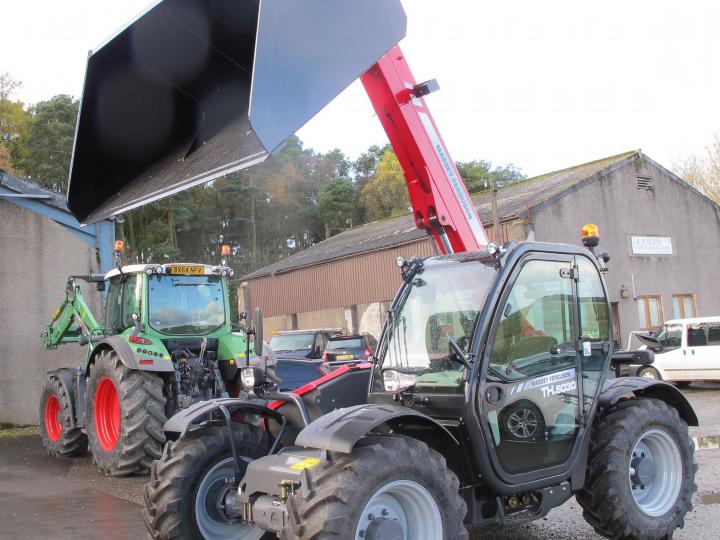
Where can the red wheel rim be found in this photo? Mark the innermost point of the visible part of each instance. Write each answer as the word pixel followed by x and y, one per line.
pixel 53 427
pixel 107 414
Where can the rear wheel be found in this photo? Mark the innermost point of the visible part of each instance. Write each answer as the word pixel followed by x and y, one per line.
pixel 389 487
pixel 58 437
pixel 186 484
pixel 649 373
pixel 126 410
pixel 641 472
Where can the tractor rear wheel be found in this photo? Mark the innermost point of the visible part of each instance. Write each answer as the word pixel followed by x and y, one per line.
pixel 641 472
pixel 181 498
pixel 59 439
pixel 126 410
pixel 389 487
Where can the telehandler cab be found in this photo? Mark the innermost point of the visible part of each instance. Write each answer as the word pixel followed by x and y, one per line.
pixel 490 399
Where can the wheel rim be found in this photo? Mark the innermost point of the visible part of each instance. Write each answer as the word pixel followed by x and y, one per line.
pixel 649 374
pixel 655 472
pixel 209 518
pixel 106 414
pixel 400 510
pixel 53 425
pixel 522 423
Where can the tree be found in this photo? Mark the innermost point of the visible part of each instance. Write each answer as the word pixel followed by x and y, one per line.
pixel 386 195
pixel 49 142
pixel 14 126
pixel 335 204
pixel 703 171
pixel 479 175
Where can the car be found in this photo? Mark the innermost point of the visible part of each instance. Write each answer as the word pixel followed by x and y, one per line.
pixel 302 344
pixel 343 349
pixel 295 373
pixel 686 350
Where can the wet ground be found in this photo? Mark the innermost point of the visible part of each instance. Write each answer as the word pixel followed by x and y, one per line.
pixel 47 498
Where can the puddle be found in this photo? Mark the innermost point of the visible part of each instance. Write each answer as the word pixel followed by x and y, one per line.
pixel 710 498
pixel 707 443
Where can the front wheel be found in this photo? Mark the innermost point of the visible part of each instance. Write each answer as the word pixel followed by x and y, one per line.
pixel 389 487
pixel 641 472
pixel 186 483
pixel 650 373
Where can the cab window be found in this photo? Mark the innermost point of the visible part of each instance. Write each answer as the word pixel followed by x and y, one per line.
pixel 536 329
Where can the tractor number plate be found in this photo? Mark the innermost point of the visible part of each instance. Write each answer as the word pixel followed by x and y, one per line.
pixel 195 270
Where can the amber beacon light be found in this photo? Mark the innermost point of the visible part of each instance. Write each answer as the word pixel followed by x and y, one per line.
pixel 590 235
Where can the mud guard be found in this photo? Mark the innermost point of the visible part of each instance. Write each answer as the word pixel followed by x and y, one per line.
pixel 127 356
pixel 614 389
pixel 341 429
pixel 181 423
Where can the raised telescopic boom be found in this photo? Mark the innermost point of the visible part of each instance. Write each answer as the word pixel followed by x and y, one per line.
pixel 195 89
pixel 72 311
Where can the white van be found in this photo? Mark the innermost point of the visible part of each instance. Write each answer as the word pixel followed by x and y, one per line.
pixel 685 350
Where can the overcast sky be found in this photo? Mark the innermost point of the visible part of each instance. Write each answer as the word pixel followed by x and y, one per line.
pixel 542 84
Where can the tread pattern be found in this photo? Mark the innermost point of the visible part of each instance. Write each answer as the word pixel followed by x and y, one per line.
pixel 334 493
pixel 607 503
pixel 142 415
pixel 170 493
pixel 73 441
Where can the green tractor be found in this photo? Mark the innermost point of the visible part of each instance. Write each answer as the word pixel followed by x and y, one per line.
pixel 167 342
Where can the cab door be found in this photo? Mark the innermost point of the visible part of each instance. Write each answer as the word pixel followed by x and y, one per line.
pixel 531 406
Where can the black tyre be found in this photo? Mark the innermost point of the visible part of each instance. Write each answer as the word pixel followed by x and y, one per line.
pixel 181 496
pixel 59 439
pixel 522 421
pixel 126 410
pixel 389 487
pixel 641 472
pixel 649 373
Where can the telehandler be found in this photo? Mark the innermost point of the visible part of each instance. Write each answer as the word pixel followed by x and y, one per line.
pixel 491 397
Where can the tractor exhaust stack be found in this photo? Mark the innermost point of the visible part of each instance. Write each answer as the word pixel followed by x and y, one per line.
pixel 195 89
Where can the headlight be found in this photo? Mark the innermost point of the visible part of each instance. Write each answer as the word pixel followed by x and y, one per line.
pixel 396 381
pixel 248 378
pixel 252 377
pixel 149 270
pixel 159 270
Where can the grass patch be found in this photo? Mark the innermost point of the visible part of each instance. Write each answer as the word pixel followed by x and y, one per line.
pixel 10 425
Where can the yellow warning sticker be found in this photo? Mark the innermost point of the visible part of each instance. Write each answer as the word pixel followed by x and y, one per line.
pixel 307 463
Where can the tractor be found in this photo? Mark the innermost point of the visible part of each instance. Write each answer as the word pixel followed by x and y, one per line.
pixel 167 342
pixel 492 396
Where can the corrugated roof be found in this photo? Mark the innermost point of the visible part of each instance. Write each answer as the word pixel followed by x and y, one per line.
pixel 15 184
pixel 513 200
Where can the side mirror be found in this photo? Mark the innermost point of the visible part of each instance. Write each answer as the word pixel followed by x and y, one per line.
pixel 100 286
pixel 658 348
pixel 243 315
pixel 83 340
pixel 258 323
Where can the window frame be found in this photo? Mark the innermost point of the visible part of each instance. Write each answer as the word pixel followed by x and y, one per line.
pixel 648 320
pixel 684 315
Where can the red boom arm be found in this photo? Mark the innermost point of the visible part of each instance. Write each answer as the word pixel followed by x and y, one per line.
pixel 441 204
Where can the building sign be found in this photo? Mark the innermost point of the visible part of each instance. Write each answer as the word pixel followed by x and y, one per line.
pixel 651 245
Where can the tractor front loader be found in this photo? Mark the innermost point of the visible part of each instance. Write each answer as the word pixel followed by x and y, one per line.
pixel 167 342
pixel 491 398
